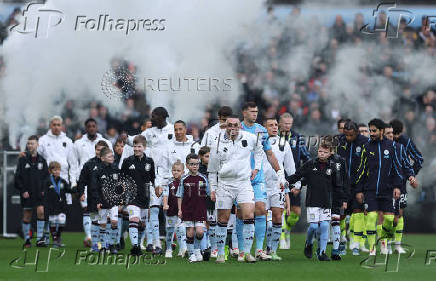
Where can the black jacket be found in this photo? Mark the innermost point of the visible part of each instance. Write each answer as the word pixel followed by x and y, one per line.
pixel 381 169
pixel 341 187
pixel 55 203
pixel 31 175
pixel 142 171
pixel 89 171
pixel 106 174
pixel 412 152
pixel 352 154
pixel 320 179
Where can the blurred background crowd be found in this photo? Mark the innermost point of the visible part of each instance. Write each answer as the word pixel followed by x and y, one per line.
pixel 263 78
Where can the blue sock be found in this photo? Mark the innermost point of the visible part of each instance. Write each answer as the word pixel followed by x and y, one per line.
pixel 248 233
pixel 198 242
pixel 181 237
pixel 114 236
pixel 324 226
pixel 47 231
pixel 203 243
pixel 120 227
pixel 260 231
pixel 169 237
pixel 87 225
pixel 40 229
pixel 235 241
pixel 149 231
pixel 239 230
pixel 336 236
pixel 26 230
pixel 190 245
pixel 133 233
pixel 154 218
pixel 102 236
pixel 269 226
pixel 313 227
pixel 95 230
pixel 212 237
pixel 276 231
pixel 221 235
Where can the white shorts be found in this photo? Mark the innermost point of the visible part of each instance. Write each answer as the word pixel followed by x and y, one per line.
pixel 276 200
pixel 84 203
pixel 194 223
pixel 173 221
pixel 226 195
pixel 103 214
pixel 154 200
pixel 143 215
pixel 60 218
pixel 136 212
pixel 316 214
pixel 211 215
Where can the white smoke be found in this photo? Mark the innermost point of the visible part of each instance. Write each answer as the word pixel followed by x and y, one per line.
pixel 193 44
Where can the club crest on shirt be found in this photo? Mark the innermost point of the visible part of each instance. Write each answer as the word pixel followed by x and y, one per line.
pixel 338 166
pixel 147 167
pixel 40 166
pixel 386 152
pixel 294 143
pixel 329 171
pixel 201 183
pixel 358 149
pixel 115 176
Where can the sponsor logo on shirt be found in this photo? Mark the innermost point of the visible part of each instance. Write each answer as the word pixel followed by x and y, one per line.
pixel 132 167
pixel 27 166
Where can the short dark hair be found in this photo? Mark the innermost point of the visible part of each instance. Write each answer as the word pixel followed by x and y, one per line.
pixel 161 111
pixel 33 137
pixel 90 120
pixel 203 150
pixel 362 125
pixel 342 120
pixel 139 139
pixel 397 125
pixel 350 125
pixel 225 111
pixel 180 122
pixel 120 140
pixel 248 104
pixel 191 156
pixel 101 143
pixel 104 151
pixel 378 123
pixel 329 141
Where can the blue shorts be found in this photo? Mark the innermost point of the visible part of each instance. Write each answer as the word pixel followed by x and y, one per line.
pixel 259 192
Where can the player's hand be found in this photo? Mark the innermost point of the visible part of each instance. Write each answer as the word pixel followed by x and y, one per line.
pixel 397 193
pixel 99 206
pixel 26 195
pixel 253 174
pixel 359 197
pixel 82 198
pixel 158 190
pixel 213 196
pixel 22 154
pixel 288 210
pixel 295 191
pixel 166 207
pixel 344 205
pixel 179 214
pixel 413 182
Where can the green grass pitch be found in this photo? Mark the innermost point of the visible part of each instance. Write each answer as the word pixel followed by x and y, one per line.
pixel 293 267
